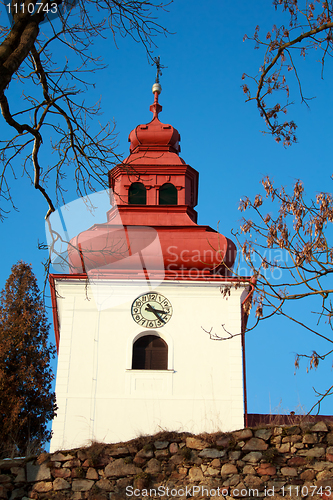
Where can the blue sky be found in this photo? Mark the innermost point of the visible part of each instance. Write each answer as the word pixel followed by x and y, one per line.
pixel 221 138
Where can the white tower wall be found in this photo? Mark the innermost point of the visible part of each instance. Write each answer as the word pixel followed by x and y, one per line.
pixel 101 398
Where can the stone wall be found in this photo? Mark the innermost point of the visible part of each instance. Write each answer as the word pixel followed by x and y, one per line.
pixel 276 461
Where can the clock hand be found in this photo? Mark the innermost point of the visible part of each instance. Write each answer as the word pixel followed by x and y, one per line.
pixel 152 309
pixel 156 312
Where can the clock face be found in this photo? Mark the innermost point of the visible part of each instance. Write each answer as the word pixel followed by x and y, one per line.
pixel 151 310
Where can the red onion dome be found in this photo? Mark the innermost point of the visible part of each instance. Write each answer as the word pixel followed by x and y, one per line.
pixel 155 135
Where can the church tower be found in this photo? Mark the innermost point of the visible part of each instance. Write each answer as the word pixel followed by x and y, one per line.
pixel 139 315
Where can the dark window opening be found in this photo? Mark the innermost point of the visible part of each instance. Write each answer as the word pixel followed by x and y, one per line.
pixel 168 194
pixel 150 353
pixel 137 194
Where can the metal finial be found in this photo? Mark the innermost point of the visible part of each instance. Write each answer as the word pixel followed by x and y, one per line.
pixel 159 68
pixel 157 87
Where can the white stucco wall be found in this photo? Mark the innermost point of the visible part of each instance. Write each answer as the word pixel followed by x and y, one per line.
pixel 101 398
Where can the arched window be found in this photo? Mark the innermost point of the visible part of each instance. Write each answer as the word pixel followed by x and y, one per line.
pixel 150 353
pixel 167 194
pixel 137 194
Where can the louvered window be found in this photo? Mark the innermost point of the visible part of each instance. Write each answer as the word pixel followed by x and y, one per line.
pixel 137 194
pixel 150 353
pixel 168 194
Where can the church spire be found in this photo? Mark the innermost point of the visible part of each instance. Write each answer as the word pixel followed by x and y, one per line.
pixel 156 108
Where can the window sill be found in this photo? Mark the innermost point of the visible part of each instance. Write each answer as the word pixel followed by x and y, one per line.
pixel 131 370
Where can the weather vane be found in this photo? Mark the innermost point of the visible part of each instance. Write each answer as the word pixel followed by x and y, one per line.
pixel 159 68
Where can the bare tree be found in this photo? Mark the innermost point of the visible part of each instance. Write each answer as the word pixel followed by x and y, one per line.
pixel 45 57
pixel 286 242
pixel 308 28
